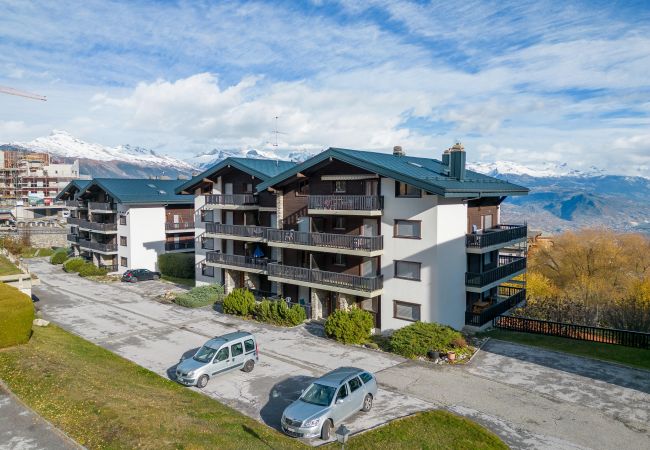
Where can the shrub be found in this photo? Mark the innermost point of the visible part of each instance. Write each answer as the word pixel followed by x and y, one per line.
pixel 201 296
pixel 240 302
pixel 350 327
pixel 59 257
pixel 90 270
pixel 179 265
pixel 278 312
pixel 418 338
pixel 73 265
pixel 16 316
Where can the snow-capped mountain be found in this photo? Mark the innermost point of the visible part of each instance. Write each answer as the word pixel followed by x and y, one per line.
pixel 212 157
pixel 546 170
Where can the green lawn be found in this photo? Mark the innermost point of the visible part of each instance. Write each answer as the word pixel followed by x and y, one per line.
pixel 7 268
pixel 105 401
pixel 182 281
pixel 607 352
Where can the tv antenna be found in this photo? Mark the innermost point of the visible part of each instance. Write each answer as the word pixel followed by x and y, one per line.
pixel 276 132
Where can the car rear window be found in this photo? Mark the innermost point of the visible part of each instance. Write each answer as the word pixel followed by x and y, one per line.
pixel 365 377
pixel 249 345
pixel 354 384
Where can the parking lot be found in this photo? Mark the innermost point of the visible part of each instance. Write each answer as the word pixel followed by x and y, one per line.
pixel 122 319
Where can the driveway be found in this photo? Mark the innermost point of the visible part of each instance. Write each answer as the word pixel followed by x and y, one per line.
pixel 530 397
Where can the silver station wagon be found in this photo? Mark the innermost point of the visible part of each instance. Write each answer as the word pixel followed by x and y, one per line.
pixel 328 401
pixel 236 350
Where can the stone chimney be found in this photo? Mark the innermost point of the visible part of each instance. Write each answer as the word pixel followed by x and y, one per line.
pixel 457 161
pixel 397 151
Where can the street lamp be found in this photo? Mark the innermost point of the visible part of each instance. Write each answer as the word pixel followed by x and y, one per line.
pixel 342 434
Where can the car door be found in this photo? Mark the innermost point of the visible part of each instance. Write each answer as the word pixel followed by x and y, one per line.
pixel 357 393
pixel 341 404
pixel 221 361
pixel 145 275
pixel 237 354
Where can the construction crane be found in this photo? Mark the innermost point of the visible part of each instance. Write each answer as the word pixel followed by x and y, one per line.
pixel 12 91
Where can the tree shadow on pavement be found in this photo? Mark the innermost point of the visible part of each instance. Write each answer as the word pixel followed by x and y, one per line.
pixel 282 395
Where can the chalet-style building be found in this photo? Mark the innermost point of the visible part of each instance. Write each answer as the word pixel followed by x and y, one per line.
pixel 123 224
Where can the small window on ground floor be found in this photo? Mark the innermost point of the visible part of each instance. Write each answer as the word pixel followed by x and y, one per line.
pixel 207 271
pixel 124 262
pixel 406 311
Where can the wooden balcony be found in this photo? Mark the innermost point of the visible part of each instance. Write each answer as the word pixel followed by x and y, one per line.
pixel 508 297
pixel 237 262
pixel 102 207
pixel 249 233
pixel 181 245
pixel 495 238
pixel 508 268
pixel 98 246
pixel 231 201
pixel 348 205
pixel 331 281
pixel 326 242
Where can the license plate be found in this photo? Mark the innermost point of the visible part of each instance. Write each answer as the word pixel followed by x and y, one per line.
pixel 292 429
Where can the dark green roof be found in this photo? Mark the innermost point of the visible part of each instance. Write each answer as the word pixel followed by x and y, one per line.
pixel 79 184
pixel 425 173
pixel 142 190
pixel 260 168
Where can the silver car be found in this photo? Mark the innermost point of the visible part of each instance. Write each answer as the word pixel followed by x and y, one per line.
pixel 328 401
pixel 236 350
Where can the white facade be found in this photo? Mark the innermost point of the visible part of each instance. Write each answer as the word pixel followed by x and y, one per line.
pixel 199 232
pixel 441 252
pixel 145 236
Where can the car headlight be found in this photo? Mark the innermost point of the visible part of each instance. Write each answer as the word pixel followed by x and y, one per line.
pixel 311 423
pixel 191 373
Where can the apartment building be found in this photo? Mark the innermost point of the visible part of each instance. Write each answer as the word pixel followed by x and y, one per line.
pixel 402 237
pixel 123 224
pixel 231 218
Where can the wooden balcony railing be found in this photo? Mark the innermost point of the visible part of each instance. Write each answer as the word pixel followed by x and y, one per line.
pixel 102 206
pixel 238 260
pixel 251 231
pixel 99 246
pixel 497 235
pixel 342 280
pixel 187 225
pixel 231 199
pixel 329 240
pixel 346 202
pixel 509 298
pixel 181 245
pixel 508 265
pixel 74 204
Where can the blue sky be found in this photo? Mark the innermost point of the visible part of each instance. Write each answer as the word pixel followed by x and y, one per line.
pixel 530 82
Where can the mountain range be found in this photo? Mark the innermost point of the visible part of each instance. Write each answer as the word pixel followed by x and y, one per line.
pixel 561 197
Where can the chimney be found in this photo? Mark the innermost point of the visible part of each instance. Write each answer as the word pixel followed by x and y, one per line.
pixel 457 161
pixel 445 158
pixel 397 151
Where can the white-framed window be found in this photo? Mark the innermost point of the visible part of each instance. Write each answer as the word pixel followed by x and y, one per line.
pixel 408 270
pixel 406 311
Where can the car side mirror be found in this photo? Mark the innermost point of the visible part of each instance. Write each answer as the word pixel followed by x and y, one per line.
pixel 339 401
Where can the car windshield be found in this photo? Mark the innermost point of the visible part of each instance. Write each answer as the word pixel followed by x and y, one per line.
pixel 318 394
pixel 204 355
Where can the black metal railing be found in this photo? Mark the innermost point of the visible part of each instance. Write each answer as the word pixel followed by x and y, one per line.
pixel 500 234
pixel 330 240
pixel 109 267
pixel 513 296
pixel 98 246
pixel 346 202
pixel 251 231
pixel 72 237
pixel 188 225
pixel 181 245
pixel 237 260
pixel 508 265
pixel 102 206
pixel 571 331
pixel 231 199
pixel 335 279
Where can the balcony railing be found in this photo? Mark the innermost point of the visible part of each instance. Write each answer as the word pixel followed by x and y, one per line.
pixel 329 240
pixel 74 204
pixel 109 267
pixel 231 199
pixel 179 225
pixel 101 206
pixel 238 261
pixel 508 265
pixel 497 235
pixel 250 231
pixel 99 246
pixel 346 202
pixel 510 297
pixel 92 225
pixel 334 279
pixel 72 237
pixel 181 245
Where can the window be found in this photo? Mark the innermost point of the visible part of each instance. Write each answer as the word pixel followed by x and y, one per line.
pixel 339 187
pixel 407 269
pixel 237 349
pixel 222 355
pixel 407 229
pixel 249 345
pixel 123 241
pixel 124 262
pixel 342 393
pixel 355 384
pixel 248 188
pixel 486 221
pixel 303 187
pixel 122 220
pixel 406 190
pixel 365 377
pixel 487 258
pixel 406 311
pixel 207 271
pixel 207 243
pixel 339 223
pixel 339 259
pixel 206 215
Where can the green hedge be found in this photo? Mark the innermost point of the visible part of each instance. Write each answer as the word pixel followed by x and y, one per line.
pixel 73 265
pixel 350 327
pixel 278 312
pixel 201 296
pixel 240 302
pixel 16 316
pixel 88 269
pixel 59 257
pixel 179 265
pixel 418 338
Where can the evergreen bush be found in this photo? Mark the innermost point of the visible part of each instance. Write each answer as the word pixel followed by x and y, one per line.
pixel 201 296
pixel 418 338
pixel 179 265
pixel 73 265
pixel 350 327
pixel 88 269
pixel 240 302
pixel 278 312
pixel 59 257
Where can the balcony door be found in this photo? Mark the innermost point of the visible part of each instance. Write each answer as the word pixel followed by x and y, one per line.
pixel 372 187
pixel 369 227
pixel 228 189
pixel 368 267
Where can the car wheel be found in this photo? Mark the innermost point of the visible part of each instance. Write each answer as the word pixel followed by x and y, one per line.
pixel 134 280
pixel 248 366
pixel 326 431
pixel 156 277
pixel 367 403
pixel 202 381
